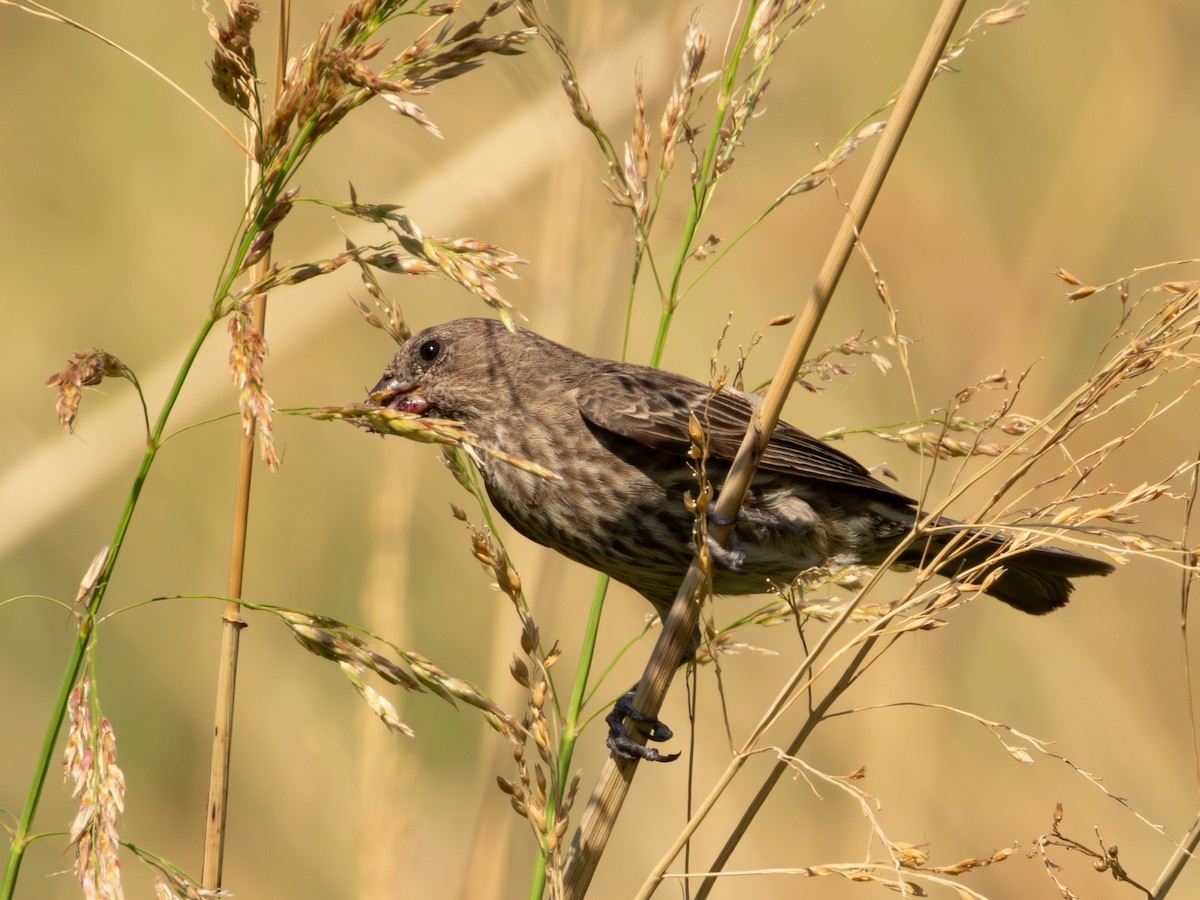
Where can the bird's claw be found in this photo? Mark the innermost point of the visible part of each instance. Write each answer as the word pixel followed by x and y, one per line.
pixel 619 741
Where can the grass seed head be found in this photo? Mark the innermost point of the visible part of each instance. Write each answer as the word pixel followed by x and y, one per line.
pixel 234 74
pixel 86 368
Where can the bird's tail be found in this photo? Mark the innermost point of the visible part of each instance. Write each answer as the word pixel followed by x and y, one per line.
pixel 1035 581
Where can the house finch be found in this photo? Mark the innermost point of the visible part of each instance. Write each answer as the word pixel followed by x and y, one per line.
pixel 617 435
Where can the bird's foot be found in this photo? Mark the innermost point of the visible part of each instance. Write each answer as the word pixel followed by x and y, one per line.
pixel 619 741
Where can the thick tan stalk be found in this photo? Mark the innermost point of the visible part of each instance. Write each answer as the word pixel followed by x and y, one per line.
pixel 609 794
pixel 1180 858
pixel 232 622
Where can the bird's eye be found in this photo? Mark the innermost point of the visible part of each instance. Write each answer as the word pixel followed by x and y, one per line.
pixel 430 350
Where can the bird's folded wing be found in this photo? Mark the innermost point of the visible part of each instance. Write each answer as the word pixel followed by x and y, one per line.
pixel 652 407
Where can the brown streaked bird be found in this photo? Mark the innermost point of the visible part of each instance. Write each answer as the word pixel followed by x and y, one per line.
pixel 617 435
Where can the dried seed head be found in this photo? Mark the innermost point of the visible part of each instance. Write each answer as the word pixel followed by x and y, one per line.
pixel 1065 275
pixel 530 637
pixel 909 856
pixel 172 884
pixel 641 134
pixel 410 110
pixel 572 791
pixel 233 70
pixel 264 237
pixel 540 775
pixel 580 106
pixel 673 126
pixel 519 671
pixel 385 668
pixel 537 818
pixel 86 368
pixel 246 355
pixel 90 761
pixel 392 320
pixel 384 420
pixel 376 702
pixel 1005 15
pixel 510 788
pixel 560 828
pixel 706 248
pixel 541 737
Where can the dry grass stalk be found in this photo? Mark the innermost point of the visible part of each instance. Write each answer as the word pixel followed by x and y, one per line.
pixel 909 861
pixel 235 78
pixel 1104 859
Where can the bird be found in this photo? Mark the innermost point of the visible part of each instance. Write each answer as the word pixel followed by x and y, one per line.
pixel 616 436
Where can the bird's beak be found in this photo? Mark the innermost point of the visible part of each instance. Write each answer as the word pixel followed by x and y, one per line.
pixel 398 395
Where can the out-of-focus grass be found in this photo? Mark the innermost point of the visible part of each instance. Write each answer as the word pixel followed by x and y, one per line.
pixel 1068 140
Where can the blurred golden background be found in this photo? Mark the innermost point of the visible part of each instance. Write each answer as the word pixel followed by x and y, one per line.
pixel 1067 139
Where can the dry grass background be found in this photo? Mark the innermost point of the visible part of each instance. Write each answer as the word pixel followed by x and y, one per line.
pixel 1068 139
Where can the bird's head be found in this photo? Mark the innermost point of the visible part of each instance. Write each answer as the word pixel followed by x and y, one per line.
pixel 462 370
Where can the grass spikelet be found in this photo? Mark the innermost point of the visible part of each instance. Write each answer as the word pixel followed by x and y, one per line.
pixel 234 73
pixel 87 368
pixel 424 429
pixel 247 352
pixel 90 765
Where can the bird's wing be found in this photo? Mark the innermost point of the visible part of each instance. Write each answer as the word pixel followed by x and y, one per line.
pixel 652 407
